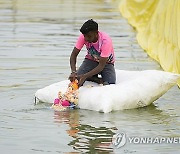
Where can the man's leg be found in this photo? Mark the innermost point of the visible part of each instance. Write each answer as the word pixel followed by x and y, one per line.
pixel 109 74
pixel 87 66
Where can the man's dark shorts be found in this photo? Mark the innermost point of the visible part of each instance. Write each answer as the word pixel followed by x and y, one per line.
pixel 108 73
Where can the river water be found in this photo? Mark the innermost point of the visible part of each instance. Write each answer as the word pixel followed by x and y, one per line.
pixel 37 37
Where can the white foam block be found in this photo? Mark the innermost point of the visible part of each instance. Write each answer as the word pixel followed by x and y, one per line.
pixel 133 89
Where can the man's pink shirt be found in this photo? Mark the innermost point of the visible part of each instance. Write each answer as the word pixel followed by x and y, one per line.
pixel 103 47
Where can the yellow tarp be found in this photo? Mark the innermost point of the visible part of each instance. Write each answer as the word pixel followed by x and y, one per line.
pixel 158 29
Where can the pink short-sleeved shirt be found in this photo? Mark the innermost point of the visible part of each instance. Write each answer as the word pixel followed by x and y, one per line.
pixel 102 48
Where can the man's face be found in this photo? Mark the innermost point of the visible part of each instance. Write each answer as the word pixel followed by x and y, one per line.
pixel 91 36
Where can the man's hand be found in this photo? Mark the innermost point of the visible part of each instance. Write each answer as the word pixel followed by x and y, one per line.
pixel 73 76
pixel 81 78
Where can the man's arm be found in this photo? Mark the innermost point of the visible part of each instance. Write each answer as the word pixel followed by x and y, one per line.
pixel 96 70
pixel 73 59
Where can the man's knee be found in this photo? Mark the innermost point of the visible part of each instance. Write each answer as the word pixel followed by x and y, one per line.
pixel 109 76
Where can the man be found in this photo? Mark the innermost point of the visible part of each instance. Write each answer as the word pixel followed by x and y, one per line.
pixel 99 58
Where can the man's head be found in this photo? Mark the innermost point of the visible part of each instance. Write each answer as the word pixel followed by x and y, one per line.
pixel 90 31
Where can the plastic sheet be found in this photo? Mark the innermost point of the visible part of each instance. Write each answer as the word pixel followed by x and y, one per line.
pixel 158 29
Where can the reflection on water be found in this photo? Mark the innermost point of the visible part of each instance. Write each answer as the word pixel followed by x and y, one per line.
pixel 88 135
pixel 37 37
pixel 86 138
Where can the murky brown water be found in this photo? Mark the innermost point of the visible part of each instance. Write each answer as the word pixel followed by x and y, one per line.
pixel 37 37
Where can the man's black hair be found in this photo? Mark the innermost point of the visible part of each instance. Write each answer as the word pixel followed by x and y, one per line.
pixel 88 26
